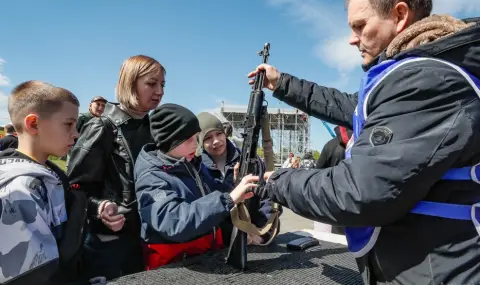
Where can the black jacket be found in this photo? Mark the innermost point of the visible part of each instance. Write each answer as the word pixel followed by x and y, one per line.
pixel 434 115
pixel 334 150
pixel 8 141
pixel 101 165
pixel 82 120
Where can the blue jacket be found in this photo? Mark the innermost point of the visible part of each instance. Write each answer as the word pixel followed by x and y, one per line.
pixel 233 156
pixel 171 205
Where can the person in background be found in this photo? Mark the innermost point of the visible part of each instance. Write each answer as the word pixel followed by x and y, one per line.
pixel 334 150
pixel 308 161
pixel 289 161
pixel 220 157
pixel 10 140
pixel 96 108
pixel 41 220
pixel 101 165
pixel 181 207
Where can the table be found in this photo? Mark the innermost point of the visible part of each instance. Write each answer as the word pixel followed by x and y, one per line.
pixel 325 264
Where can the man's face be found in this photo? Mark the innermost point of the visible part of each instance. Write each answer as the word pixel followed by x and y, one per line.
pixel 97 108
pixel 57 134
pixel 371 33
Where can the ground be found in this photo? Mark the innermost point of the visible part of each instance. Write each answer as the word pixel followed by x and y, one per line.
pixel 291 222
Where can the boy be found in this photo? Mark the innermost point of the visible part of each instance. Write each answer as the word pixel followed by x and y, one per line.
pixel 181 207
pixel 38 245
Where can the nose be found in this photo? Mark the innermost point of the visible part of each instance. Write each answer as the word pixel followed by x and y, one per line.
pixel 159 90
pixel 75 134
pixel 354 39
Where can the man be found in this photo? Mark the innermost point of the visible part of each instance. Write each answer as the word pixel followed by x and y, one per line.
pixel 9 140
pixel 416 134
pixel 334 150
pixel 97 105
pixel 289 161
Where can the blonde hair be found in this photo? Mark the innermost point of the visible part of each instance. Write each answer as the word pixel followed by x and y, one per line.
pixel 133 68
pixel 36 97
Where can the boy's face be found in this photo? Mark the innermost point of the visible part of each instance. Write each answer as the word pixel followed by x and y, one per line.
pixel 186 149
pixel 57 134
pixel 215 143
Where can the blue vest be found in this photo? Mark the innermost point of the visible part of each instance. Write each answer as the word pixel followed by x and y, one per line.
pixel 362 239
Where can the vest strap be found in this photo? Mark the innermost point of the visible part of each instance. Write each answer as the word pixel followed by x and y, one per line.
pixel 443 210
pixel 463 173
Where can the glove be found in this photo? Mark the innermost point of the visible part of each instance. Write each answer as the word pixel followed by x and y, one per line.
pixel 262 191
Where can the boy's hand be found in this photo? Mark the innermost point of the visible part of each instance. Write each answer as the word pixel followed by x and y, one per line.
pixel 110 217
pixel 254 240
pixel 240 194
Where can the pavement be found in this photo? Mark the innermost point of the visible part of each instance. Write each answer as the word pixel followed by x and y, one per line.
pixel 291 222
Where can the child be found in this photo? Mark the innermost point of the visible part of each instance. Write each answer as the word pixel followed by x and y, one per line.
pixel 220 155
pixel 37 241
pixel 180 206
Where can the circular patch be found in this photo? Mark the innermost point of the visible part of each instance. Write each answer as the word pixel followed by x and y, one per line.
pixel 380 136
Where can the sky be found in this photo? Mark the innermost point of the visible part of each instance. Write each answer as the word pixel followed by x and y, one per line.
pixel 207 47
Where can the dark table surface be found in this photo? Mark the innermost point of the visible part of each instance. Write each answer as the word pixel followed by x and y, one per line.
pixel 325 264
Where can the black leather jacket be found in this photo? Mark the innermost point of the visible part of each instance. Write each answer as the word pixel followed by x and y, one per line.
pixel 101 165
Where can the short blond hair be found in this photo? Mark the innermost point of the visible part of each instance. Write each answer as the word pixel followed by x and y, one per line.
pixel 36 97
pixel 133 68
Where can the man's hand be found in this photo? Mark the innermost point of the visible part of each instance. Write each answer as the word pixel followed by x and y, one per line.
pixel 110 217
pixel 272 75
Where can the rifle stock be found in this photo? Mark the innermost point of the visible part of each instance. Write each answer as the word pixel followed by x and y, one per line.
pixel 249 162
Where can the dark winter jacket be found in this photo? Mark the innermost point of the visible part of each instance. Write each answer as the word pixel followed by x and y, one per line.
pixel 171 204
pixel 433 116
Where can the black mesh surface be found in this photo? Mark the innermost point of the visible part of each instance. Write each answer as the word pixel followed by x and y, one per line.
pixel 276 265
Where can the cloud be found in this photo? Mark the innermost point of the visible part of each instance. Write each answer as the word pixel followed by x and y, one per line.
pixel 4 82
pixel 454 7
pixel 329 27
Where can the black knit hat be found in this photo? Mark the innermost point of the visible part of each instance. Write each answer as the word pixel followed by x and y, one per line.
pixel 171 125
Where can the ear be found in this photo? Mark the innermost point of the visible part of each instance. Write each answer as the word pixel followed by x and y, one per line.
pixel 403 16
pixel 31 124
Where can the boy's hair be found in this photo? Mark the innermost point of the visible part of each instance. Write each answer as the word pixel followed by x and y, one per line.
pixel 133 68
pixel 36 97
pixel 9 129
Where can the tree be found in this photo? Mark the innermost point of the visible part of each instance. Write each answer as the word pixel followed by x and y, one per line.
pixel 316 154
pixel 260 152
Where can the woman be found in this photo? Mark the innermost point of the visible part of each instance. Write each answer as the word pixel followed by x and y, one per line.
pixel 220 156
pixel 101 165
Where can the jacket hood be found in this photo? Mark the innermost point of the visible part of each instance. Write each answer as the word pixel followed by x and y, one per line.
pixel 233 155
pixel 151 159
pixel 441 37
pixel 14 164
pixel 343 135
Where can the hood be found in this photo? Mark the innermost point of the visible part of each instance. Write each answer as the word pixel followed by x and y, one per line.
pixel 233 155
pixel 14 164
pixel 442 37
pixel 343 135
pixel 150 159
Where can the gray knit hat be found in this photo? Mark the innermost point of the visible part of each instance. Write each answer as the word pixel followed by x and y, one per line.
pixel 208 122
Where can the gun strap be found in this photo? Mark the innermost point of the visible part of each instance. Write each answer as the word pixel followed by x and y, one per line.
pixel 242 221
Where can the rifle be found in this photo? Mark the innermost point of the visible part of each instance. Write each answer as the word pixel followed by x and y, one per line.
pixel 249 163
